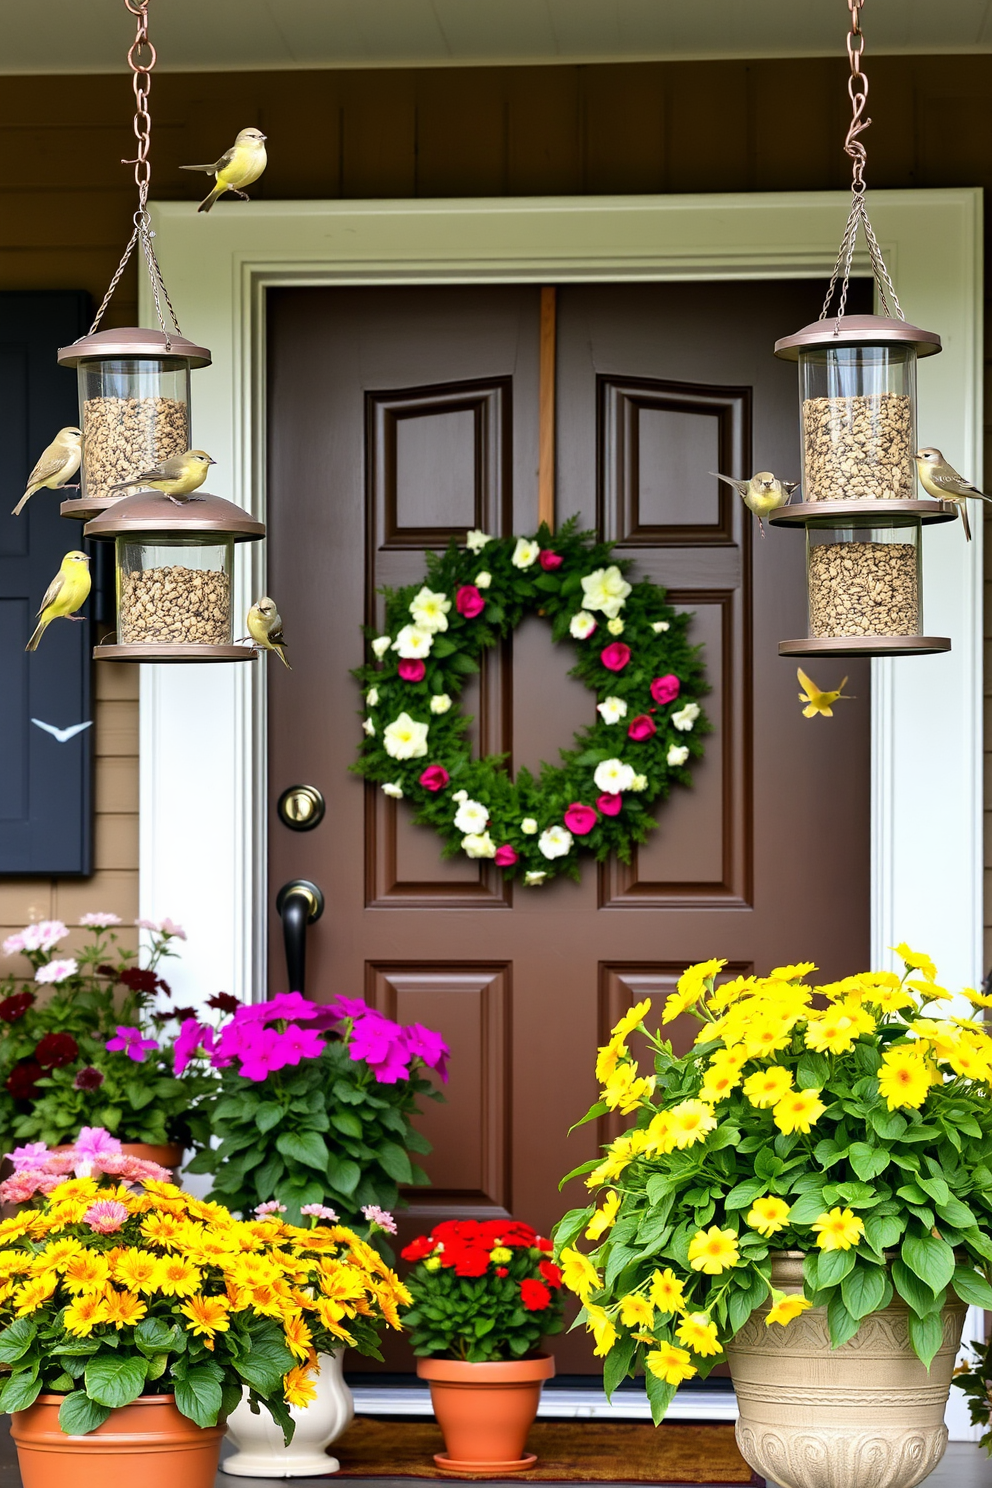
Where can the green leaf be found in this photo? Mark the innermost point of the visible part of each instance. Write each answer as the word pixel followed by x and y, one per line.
pixel 347 1122
pixel 808 1206
pixel 199 1395
pixel 266 1363
pixel 568 1227
pixel 972 1287
pixel 890 1125
pixel 16 1340
pixel 915 1293
pixel 834 1266
pixel 867 1161
pixel 935 1188
pixel 743 1195
pixel 306 1147
pixel 155 1336
pixel 616 1366
pixel 268 1115
pixel 20 1391
pixel 926 1334
pixel 660 1396
pixel 78 1414
pixel 932 1260
pixel 343 1174
pixel 840 1322
pixel 882 1231
pixel 115 1381
pixel 395 1161
pixel 812 1071
pixel 864 1290
pixel 954 1213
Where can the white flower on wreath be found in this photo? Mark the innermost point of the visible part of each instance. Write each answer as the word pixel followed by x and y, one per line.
pixel 476 540
pixel 605 590
pixel 440 702
pixel 414 643
pixel 430 610
pixel 471 817
pixel 581 625
pixel 613 776
pixel 369 727
pixel 483 580
pixel 460 795
pixel 615 627
pixel 533 879
pixel 612 709
pixel 686 717
pixel 678 754
pixel 529 825
pixel 404 738
pixel 394 789
pixel 660 626
pixel 525 553
pixel 381 645
pixel 479 845
pixel 639 783
pixel 372 696
pixel 555 842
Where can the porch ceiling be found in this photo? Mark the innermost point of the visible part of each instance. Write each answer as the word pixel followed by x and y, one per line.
pixel 79 36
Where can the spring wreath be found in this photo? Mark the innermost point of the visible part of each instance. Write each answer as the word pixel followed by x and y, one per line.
pixel 631 651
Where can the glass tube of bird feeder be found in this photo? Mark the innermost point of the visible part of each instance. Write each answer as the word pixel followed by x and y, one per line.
pixel 175 590
pixel 864 581
pixel 858 422
pixel 134 411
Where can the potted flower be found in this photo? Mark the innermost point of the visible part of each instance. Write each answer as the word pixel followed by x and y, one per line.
pixel 136 1317
pixel 484 1295
pixel 314 1105
pixel 86 1041
pixel 807 1193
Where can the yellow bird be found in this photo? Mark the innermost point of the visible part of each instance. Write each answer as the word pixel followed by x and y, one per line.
pixel 942 481
pixel 817 701
pixel 265 628
pixel 56 466
pixel 64 595
pixel 177 477
pixel 762 494
pixel 238 167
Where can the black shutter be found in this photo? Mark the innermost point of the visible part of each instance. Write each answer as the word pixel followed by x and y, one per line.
pixel 46 788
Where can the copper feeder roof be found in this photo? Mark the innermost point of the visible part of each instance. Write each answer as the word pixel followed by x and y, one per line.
pixel 858 330
pixel 133 341
pixel 149 512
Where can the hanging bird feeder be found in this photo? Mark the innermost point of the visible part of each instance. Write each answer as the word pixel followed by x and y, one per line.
pixel 175 577
pixel 857 393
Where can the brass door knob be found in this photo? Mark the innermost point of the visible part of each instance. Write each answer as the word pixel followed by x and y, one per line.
pixel 301 808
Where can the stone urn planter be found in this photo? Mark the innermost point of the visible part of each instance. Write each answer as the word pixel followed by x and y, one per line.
pixel 485 1411
pixel 262 1453
pixel 867 1413
pixel 148 1444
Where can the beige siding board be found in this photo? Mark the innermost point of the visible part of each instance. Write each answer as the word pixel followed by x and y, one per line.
pixel 117 784
pixel 113 889
pixel 116 841
pixel 117 728
pixel 115 682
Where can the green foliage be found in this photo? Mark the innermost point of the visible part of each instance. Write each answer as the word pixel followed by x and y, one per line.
pixel 976 1383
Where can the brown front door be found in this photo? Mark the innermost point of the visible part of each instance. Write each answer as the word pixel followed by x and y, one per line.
pixel 400 417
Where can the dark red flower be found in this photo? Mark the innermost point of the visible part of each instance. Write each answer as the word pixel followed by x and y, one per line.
pixel 55 1050
pixel 411 669
pixel 224 1002
pixel 549 560
pixel 108 971
pixel 501 1271
pixel 88 1078
pixel 21 1080
pixel 181 1014
pixel 164 987
pixel 12 1008
pixel 550 1272
pixel 418 1249
pixel 534 1294
pixel 137 979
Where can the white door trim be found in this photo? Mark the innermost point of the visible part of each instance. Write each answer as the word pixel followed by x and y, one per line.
pixel 203 749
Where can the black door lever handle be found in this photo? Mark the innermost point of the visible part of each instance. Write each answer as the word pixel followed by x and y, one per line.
pixel 299 903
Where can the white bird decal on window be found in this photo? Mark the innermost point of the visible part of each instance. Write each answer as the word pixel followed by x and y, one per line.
pixel 63 735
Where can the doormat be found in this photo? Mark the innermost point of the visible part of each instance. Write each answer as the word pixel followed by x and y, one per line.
pixel 567 1452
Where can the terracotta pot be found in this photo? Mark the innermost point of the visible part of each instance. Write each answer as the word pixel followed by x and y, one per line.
pixel 486 1410
pixel 145 1445
pixel 262 1453
pixel 867 1412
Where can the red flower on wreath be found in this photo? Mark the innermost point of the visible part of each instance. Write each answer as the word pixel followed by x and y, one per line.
pixel 615 656
pixel 505 856
pixel 580 819
pixel 665 689
pixel 55 1050
pixel 610 803
pixel 12 1008
pixel 549 560
pixel 411 669
pixel 434 778
pixel 534 1294
pixel 641 727
pixel 469 602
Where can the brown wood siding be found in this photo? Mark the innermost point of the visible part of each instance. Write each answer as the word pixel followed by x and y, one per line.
pixel 65 206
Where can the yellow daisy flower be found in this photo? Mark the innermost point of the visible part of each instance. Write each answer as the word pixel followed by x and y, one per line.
pixel 55 1255
pixel 177 1277
pixel 838 1230
pixel 768 1215
pixel 698 1333
pixel 87 1271
pixel 690 1121
pixel 785 1308
pixel 578 1272
pixel 632 1019
pixel 636 1311
pixel 30 1295
pixel 915 960
pixel 904 1079
pixel 603 1219
pixel 793 973
pixel 84 1313
pixel 666 1291
pixel 602 1329
pixel 207 1315
pixel 299 1339
pixel 670 1364
pixel 690 988
pixel 124 1309
pixel 299 1386
pixel 766 1087
pixel 713 1251
pixel 137 1270
pixel 798 1110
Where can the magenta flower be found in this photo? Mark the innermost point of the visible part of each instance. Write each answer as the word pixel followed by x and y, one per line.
pixel 424 1044
pixel 580 819
pixel 434 778
pixel 469 602
pixel 346 1007
pixel 615 656
pixel 380 1043
pixel 506 856
pixel 31 1155
pixel 131 1042
pixel 299 1043
pixel 411 669
pixel 610 803
pixel 261 1054
pixel 549 560
pixel 665 689
pixel 106 1216
pixel 641 727
pixel 191 1035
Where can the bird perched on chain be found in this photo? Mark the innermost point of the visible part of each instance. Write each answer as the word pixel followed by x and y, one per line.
pixel 942 481
pixel 56 466
pixel 265 628
pixel 815 699
pixel 177 477
pixel 237 168
pixel 762 494
pixel 64 595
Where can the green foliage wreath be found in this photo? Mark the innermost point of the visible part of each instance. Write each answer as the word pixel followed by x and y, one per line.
pixel 632 652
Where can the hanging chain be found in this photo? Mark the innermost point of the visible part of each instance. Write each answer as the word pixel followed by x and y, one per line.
pixel 141 59
pixel 857 88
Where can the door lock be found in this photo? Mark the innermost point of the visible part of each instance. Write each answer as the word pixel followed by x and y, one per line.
pixel 301 808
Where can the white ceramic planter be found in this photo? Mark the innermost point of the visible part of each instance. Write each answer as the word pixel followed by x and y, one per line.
pixel 261 1451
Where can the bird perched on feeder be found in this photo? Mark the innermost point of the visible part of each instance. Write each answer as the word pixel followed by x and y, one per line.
pixel 942 481
pixel 177 477
pixel 762 494
pixel 816 700
pixel 265 628
pixel 64 595
pixel 237 168
pixel 56 466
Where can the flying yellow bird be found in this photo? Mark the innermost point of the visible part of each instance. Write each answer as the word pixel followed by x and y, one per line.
pixel 817 701
pixel 762 494
pixel 64 595
pixel 942 481
pixel 56 466
pixel 265 628
pixel 238 167
pixel 177 477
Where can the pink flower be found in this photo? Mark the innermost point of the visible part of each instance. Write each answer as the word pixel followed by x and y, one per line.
pixel 615 656
pixel 665 689
pixel 506 856
pixel 57 971
pixel 434 778
pixel 319 1211
pixel 610 803
pixel 379 1042
pixel 106 1216
pixel 100 921
pixel 411 670
pixel 191 1035
pixel 641 727
pixel 580 819
pixel 31 1155
pixel 166 927
pixel 133 1169
pixel 424 1044
pixel 549 560
pixel 271 1206
pixel 131 1042
pixel 299 1043
pixel 380 1219
pixel 469 602
pixel 22 1186
pixel 91 1148
pixel 284 1005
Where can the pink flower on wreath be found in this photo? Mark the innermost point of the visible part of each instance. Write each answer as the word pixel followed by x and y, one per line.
pixel 106 1216
pixel 411 670
pixel 615 656
pixel 641 727
pixel 469 602
pixel 434 778
pixel 580 819
pixel 665 689
pixel 610 803
pixel 549 560
pixel 506 856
